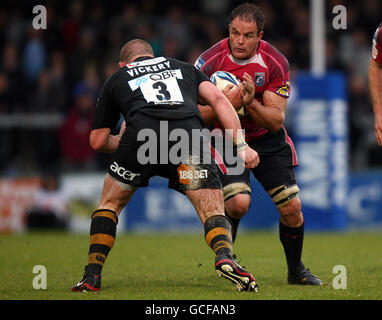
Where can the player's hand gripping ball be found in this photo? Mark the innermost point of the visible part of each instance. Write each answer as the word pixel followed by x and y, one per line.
pixel 223 78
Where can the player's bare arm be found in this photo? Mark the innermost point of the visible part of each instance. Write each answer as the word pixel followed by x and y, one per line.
pixel 227 116
pixel 271 113
pixel 233 94
pixel 102 141
pixel 208 114
pixel 225 113
pixel 375 85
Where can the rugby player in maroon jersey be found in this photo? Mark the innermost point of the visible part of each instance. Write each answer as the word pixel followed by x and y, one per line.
pixel 264 90
pixel 375 82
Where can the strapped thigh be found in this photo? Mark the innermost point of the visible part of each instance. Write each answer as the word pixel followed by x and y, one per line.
pixel 232 189
pixel 283 194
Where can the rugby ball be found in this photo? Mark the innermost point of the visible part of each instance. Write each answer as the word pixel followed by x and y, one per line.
pixel 223 78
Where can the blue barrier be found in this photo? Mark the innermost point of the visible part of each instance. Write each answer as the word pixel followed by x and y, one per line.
pixel 320 134
pixel 364 203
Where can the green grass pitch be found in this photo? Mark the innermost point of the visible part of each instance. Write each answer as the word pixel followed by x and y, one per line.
pixel 181 267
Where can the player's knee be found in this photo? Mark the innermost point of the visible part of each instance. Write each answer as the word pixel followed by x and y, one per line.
pixel 288 204
pixel 291 214
pixel 292 208
pixel 238 205
pixel 237 198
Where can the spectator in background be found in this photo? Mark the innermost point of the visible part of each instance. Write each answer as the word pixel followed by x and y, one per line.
pixel 82 33
pixel 197 30
pixel 175 27
pixel 15 27
pixel 72 25
pixel 7 137
pixel 333 60
pixel 214 31
pixel 34 55
pixel 47 98
pixel 53 33
pixel 6 101
pixel 109 68
pixel 114 40
pixel 96 20
pixel 370 15
pixel 58 78
pixel 301 36
pixel 12 70
pixel 148 31
pixel 171 48
pixel 360 115
pixel 74 134
pixel 85 54
pixel 90 81
pixel 128 21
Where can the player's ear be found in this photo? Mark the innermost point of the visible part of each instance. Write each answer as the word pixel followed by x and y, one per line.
pixel 260 34
pixel 121 64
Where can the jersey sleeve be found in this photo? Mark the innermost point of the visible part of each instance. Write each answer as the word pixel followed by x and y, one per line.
pixel 376 51
pixel 200 76
pixel 209 60
pixel 279 76
pixel 106 113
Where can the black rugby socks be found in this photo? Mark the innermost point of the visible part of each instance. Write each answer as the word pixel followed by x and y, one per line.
pixel 235 225
pixel 292 240
pixel 218 230
pixel 102 235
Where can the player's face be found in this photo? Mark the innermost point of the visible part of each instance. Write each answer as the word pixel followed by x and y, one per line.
pixel 243 38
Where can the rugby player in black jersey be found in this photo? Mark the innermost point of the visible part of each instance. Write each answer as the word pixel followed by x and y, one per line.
pixel 152 94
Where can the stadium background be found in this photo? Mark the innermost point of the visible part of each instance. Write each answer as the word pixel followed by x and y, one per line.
pixel 50 79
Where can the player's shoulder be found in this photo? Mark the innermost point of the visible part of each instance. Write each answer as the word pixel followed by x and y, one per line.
pixel 117 75
pixel 184 66
pixel 114 79
pixel 213 53
pixel 378 34
pixel 273 56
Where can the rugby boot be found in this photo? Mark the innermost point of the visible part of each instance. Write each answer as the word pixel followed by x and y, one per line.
pixel 303 276
pixel 90 282
pixel 228 268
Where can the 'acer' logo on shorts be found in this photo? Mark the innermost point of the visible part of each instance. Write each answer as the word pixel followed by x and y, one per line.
pixel 122 172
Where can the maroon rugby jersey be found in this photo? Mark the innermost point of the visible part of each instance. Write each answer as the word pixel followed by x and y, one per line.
pixel 269 68
pixel 376 52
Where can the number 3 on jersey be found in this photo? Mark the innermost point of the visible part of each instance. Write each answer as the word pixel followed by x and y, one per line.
pixel 160 88
pixel 164 94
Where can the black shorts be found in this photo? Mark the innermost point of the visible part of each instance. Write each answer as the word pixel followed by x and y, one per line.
pixel 277 160
pixel 146 150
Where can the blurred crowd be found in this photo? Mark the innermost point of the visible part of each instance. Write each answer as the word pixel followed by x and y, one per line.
pixel 50 78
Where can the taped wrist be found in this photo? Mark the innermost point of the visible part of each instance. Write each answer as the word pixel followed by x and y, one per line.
pixel 240 144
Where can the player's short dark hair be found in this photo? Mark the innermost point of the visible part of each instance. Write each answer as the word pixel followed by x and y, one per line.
pixel 249 12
